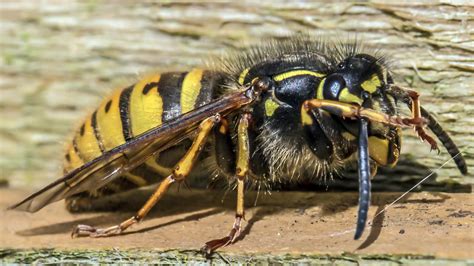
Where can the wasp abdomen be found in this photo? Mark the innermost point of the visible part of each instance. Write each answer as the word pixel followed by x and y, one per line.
pixel 134 110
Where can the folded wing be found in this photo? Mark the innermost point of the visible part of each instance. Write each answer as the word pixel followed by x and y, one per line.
pixel 113 163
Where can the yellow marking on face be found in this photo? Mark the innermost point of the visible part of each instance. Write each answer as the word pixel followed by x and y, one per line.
pixel 190 90
pixel 86 141
pixel 346 96
pixel 270 107
pixel 378 150
pixel 294 73
pixel 319 92
pixel 145 109
pixel 305 117
pixel 348 136
pixel 109 123
pixel 371 84
pixel 243 75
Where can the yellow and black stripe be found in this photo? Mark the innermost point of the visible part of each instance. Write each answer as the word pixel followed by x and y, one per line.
pixel 136 109
pixel 124 107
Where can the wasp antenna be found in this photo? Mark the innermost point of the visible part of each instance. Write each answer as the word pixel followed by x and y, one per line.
pixel 364 178
pixel 448 143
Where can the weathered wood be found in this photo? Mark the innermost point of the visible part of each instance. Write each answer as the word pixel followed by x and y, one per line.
pixel 290 226
pixel 60 57
pixel 121 256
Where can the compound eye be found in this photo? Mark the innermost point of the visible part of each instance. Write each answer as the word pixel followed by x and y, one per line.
pixel 333 86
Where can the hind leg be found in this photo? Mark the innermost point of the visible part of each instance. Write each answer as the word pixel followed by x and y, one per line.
pixel 181 170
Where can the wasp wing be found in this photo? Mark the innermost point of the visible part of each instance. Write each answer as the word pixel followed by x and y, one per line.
pixel 111 164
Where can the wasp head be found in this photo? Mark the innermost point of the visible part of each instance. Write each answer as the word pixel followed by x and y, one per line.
pixel 363 80
pixel 360 79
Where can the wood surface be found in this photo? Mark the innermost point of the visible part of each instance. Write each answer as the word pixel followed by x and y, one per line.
pixel 424 228
pixel 59 58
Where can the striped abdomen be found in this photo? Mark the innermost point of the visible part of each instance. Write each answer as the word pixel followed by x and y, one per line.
pixel 134 110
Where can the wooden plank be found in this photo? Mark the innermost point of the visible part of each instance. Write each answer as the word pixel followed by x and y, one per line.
pixel 284 225
pixel 59 58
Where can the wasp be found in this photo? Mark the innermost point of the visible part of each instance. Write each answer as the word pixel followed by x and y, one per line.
pixel 280 111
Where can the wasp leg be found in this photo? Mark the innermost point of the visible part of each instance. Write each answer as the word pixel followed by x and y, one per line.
pixel 180 171
pixel 242 168
pixel 348 110
pixel 412 99
pixel 406 95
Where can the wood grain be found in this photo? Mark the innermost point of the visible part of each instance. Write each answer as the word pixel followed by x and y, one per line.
pixel 59 58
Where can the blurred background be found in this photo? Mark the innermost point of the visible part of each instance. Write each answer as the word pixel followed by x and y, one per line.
pixel 59 58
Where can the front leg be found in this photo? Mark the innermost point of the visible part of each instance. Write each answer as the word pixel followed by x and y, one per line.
pixel 242 168
pixel 412 99
pixel 354 111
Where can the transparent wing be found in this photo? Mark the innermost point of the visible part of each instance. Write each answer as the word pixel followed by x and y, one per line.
pixel 111 164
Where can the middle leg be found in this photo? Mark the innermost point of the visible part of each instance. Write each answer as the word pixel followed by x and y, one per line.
pixel 242 168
